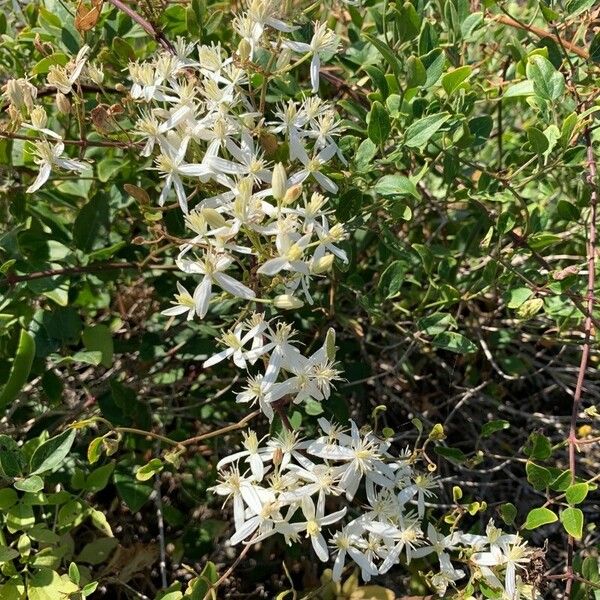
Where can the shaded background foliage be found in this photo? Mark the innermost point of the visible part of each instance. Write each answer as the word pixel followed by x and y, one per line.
pixel 468 194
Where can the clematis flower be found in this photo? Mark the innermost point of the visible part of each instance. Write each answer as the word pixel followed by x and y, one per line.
pixel 47 157
pixel 324 41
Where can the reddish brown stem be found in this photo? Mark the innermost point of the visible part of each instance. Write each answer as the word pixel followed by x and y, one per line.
pixel 542 33
pixel 143 23
pixel 588 331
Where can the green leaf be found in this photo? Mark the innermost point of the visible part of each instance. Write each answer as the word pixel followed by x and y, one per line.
pixel 396 185
pixel 123 49
pixel 98 479
pixel 151 468
pixel 134 494
pixel 20 517
pixel 98 551
pixel 19 371
pixel 421 131
pixel 453 79
pixel 92 219
pixel 99 338
pixel 32 484
pixel 517 296
pixel 50 455
pixel 108 167
pixel 508 512
pixel 436 323
pixel 7 554
pixel 416 75
pixel 520 89
pixel 538 446
pixel 595 48
pixel 8 498
pixel 577 493
pixel 392 278
pixel 538 477
pixel 452 454
pixel 386 52
pixel 74 574
pixel 454 342
pixel 379 123
pixel 538 517
pixel 43 66
pixel 94 451
pixel 537 139
pixel 365 154
pixel 572 520
pixel 199 587
pixel 313 407
pixel 12 461
pixel 47 584
pixel 574 7
pixel 548 83
pixel 492 427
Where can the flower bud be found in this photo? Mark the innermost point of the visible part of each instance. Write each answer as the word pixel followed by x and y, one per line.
pixel 277 457
pixel 62 103
pixel 279 182
pixel 39 117
pixel 283 60
pixel 292 194
pixel 95 73
pixel 244 50
pixel 323 264
pixel 213 218
pixel 287 302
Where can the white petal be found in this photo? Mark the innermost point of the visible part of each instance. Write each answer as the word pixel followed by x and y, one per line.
pixel 233 286
pixel 202 297
pixel 245 531
pixel 320 546
pixel 41 178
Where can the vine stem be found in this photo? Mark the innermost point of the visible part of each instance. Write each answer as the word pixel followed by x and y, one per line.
pixel 12 279
pixel 81 142
pixel 542 33
pixel 588 332
pixel 143 23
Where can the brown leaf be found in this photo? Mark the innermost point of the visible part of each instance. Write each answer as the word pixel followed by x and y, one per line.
pixel 126 562
pixel 86 16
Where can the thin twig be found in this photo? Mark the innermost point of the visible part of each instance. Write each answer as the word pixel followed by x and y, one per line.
pixel 12 279
pixel 162 565
pixel 588 331
pixel 236 562
pixel 81 142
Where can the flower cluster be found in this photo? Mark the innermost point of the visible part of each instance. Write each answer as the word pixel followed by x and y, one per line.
pixel 250 170
pixel 49 149
pixel 286 485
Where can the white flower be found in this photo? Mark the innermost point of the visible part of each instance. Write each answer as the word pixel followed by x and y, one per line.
pixel 212 267
pixel 252 453
pixel 324 41
pixel 264 391
pixel 315 521
pixel 313 166
pixel 63 78
pixel 511 557
pixel 234 486
pixel 184 302
pixel 48 156
pixel 348 541
pixel 235 342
